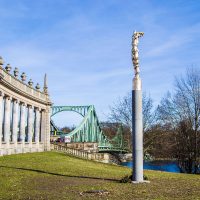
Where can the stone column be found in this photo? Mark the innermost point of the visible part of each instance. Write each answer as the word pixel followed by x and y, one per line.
pixel 22 124
pixel 43 120
pixel 47 128
pixel 30 125
pixel 15 122
pixel 1 117
pixel 37 127
pixel 6 128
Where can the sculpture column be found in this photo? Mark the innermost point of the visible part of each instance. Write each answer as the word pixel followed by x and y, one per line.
pixel 22 124
pixel 1 117
pixel 137 121
pixel 6 128
pixel 37 127
pixel 15 122
pixel 30 125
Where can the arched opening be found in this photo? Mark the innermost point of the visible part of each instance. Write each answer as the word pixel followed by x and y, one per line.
pixel 66 121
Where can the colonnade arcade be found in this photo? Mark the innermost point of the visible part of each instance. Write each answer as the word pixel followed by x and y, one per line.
pixel 24 115
pixel 19 122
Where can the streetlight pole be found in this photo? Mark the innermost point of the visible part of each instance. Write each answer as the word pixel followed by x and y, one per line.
pixel 137 122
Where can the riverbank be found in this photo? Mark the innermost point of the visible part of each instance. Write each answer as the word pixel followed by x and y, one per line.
pixel 53 175
pixel 158 165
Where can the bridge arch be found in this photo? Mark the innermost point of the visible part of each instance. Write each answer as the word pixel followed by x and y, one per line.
pixel 89 129
pixel 82 110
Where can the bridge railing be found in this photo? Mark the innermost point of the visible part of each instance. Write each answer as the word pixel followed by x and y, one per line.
pixel 74 152
pixel 112 149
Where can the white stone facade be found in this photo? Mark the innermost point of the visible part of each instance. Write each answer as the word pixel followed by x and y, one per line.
pixel 24 115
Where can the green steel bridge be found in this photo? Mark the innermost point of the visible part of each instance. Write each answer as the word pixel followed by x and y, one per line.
pixel 89 129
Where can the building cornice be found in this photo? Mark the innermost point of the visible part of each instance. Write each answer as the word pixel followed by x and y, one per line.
pixel 19 87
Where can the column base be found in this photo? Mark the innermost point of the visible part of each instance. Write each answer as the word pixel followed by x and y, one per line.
pixel 137 182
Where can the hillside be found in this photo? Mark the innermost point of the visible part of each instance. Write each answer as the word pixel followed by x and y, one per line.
pixel 53 175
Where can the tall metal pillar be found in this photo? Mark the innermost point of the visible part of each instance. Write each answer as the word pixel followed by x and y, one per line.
pixel 137 123
pixel 137 131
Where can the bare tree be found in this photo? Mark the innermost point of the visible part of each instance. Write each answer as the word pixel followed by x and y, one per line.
pixel 181 112
pixel 121 112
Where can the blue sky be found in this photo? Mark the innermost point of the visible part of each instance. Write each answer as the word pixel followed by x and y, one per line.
pixel 85 46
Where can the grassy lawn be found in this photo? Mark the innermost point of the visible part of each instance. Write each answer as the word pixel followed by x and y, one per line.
pixel 52 175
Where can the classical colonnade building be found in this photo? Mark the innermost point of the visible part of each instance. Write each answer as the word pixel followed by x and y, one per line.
pixel 24 114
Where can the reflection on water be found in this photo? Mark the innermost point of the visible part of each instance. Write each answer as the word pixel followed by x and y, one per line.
pixel 161 165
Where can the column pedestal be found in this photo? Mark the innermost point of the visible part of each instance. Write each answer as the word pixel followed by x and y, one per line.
pixel 137 131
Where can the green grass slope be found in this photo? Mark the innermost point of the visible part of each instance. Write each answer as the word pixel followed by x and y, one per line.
pixel 52 175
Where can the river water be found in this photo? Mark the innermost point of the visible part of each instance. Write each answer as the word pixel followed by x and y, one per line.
pixel 161 165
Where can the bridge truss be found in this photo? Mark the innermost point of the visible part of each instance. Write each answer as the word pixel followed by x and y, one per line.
pixel 89 129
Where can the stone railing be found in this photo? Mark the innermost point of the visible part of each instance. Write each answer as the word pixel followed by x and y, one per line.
pixel 19 86
pixel 101 157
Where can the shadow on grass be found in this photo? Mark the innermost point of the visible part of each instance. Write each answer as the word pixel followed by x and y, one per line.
pixel 63 175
